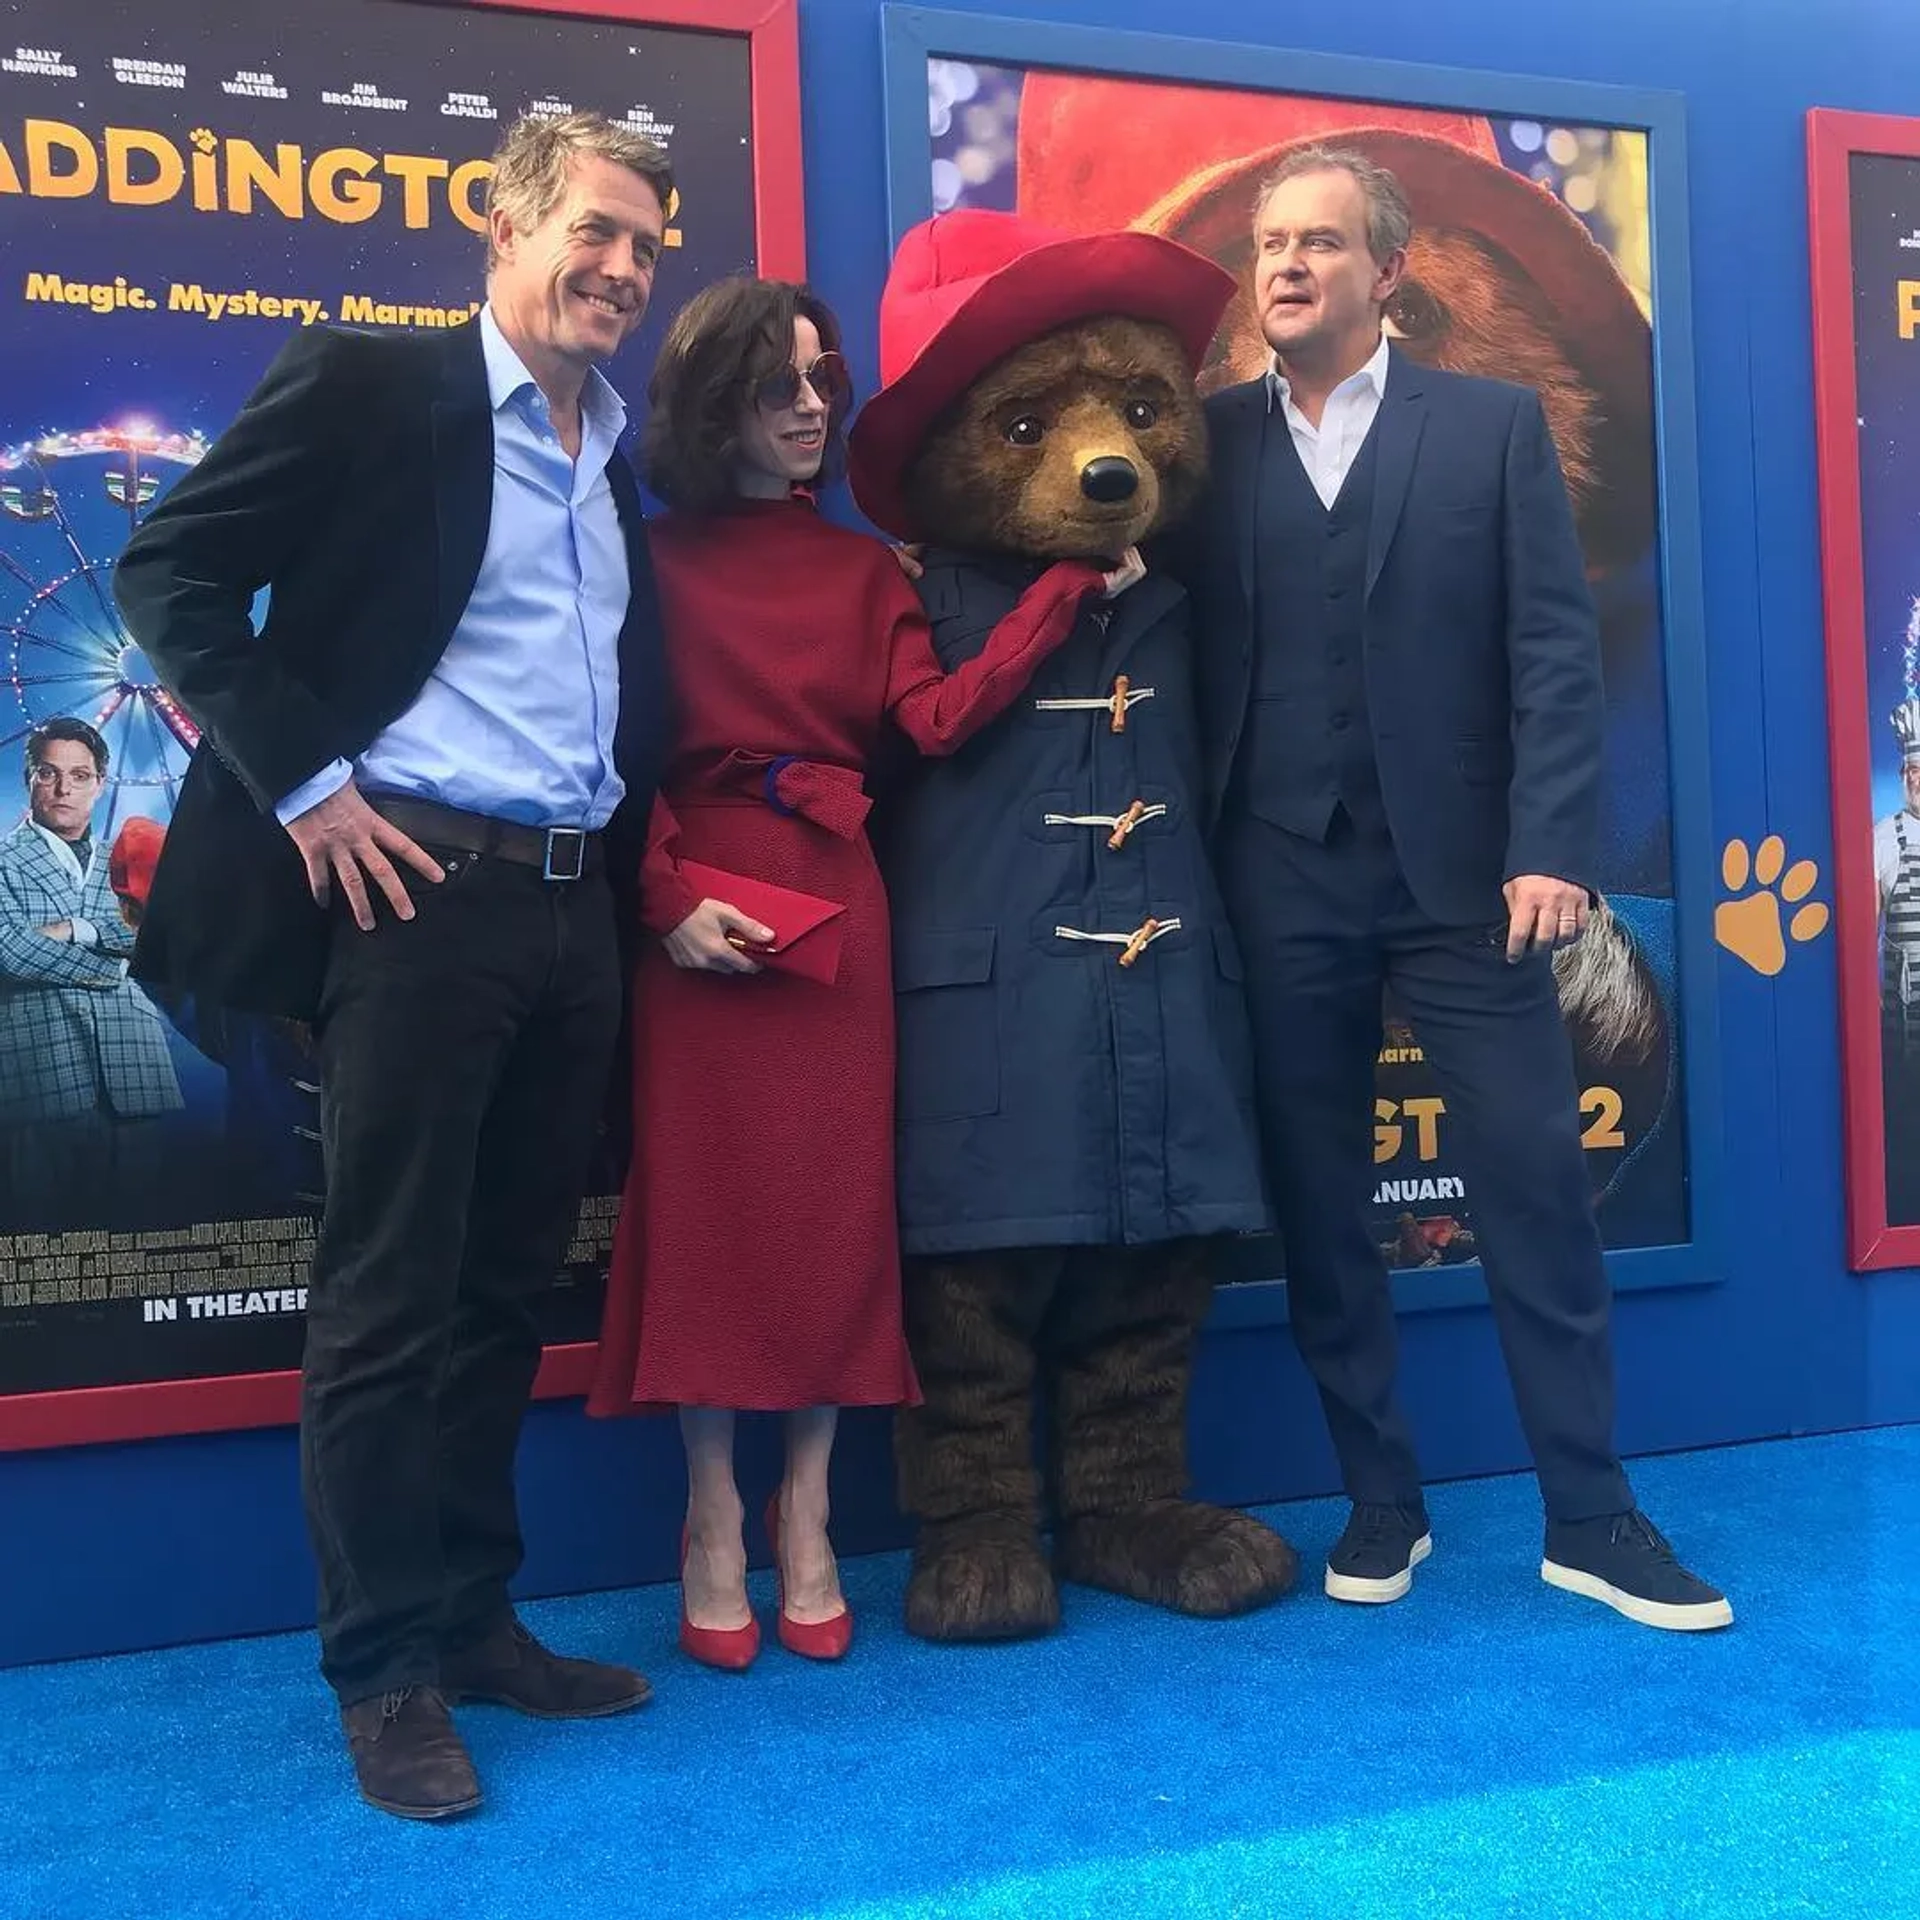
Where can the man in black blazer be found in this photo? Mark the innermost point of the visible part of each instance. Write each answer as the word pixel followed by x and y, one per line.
pixel 399 828
pixel 1400 677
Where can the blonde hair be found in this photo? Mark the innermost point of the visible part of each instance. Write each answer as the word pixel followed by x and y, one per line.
pixel 534 159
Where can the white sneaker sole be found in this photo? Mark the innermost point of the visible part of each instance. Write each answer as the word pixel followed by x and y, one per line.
pixel 1649 1613
pixel 1376 1593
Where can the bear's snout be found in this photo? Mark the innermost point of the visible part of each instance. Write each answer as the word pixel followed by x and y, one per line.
pixel 1109 480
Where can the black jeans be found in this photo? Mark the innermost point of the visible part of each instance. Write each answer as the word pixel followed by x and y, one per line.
pixel 464 1060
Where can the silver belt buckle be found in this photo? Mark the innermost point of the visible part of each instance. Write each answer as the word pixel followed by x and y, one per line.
pixel 566 854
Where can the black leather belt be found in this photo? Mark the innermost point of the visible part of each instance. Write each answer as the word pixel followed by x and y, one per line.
pixel 561 853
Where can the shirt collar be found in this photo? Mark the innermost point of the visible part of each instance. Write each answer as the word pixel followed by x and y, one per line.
pixel 64 848
pixel 507 377
pixel 1373 374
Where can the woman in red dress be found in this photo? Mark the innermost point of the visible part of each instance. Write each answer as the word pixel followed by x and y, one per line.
pixel 756 1265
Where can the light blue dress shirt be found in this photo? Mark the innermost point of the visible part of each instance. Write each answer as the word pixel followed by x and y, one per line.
pixel 517 719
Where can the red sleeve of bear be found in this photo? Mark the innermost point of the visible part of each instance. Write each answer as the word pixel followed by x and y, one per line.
pixel 939 712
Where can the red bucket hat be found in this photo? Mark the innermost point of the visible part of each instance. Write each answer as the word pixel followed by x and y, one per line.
pixel 967 288
pixel 135 854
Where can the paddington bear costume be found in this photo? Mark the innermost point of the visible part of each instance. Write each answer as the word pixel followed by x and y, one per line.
pixel 1075 1113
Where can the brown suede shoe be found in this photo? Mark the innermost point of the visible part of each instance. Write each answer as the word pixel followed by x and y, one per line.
pixel 510 1668
pixel 408 1757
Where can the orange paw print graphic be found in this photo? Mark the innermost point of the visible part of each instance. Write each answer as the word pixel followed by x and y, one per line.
pixel 1749 927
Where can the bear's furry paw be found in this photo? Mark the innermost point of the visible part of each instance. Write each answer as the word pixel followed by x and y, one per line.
pixel 981 1578
pixel 1181 1554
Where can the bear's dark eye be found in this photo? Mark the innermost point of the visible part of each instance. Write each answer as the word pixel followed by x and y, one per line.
pixel 1141 414
pixel 1414 314
pixel 1027 431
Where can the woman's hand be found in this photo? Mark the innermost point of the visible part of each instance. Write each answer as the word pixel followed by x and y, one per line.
pixel 710 939
pixel 1129 573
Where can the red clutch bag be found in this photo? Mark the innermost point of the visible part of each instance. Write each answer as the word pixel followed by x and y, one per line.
pixel 806 929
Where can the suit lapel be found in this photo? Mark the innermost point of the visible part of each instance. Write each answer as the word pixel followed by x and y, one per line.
pixel 641 719
pixel 626 503
pixel 1241 458
pixel 638 631
pixel 54 871
pixel 1403 413
pixel 463 472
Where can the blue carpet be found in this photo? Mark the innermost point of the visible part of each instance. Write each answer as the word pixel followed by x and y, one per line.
pixel 1488 1747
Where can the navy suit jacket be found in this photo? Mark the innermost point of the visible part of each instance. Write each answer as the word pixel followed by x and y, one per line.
pixel 1481 645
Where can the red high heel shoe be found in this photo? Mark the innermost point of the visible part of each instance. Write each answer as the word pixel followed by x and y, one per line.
pixel 731 1649
pixel 816 1639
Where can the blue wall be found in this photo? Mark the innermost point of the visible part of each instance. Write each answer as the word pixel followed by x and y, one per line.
pixel 124 1546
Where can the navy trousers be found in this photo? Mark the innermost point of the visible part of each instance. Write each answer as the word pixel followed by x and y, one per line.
pixel 1325 928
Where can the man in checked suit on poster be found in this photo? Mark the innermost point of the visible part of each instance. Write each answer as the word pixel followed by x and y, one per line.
pixel 84 1066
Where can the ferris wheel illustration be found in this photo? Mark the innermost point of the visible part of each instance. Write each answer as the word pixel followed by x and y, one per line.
pixel 68 502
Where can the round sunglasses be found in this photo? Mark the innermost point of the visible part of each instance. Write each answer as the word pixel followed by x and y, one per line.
pixel 832 384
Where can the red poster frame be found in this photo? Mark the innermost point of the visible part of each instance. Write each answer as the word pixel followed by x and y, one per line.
pixel 772 32
pixel 157 1409
pixel 1833 138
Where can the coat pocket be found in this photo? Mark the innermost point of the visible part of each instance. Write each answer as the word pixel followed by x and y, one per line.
pixel 1226 953
pixel 1484 763
pixel 1232 1029
pixel 949 1039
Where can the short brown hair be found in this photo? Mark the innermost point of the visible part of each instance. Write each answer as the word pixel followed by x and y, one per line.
pixel 722 344
pixel 76 733
pixel 535 156
pixel 1389 217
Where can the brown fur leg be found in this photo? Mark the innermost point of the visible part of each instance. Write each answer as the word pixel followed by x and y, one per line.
pixel 1119 1362
pixel 965 1457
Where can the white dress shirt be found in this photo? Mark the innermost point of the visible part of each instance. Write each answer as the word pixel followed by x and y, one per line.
pixel 1329 450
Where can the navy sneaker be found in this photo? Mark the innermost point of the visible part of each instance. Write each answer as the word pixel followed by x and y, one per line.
pixel 1623 1561
pixel 1373 1561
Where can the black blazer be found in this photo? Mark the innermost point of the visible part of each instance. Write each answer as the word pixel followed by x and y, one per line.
pixel 357 484
pixel 1482 648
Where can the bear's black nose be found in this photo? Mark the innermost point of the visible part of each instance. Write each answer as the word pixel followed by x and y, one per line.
pixel 1109 480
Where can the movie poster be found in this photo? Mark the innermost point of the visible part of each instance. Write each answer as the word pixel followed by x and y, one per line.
pixel 1884 194
pixel 1532 262
pixel 180 185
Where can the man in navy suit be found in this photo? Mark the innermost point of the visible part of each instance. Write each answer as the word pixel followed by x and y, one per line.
pixel 1400 677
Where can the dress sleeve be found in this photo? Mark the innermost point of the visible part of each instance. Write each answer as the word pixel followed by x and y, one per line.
pixel 939 712
pixel 665 897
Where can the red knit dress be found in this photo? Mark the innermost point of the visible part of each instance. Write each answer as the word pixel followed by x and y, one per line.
pixel 756 1264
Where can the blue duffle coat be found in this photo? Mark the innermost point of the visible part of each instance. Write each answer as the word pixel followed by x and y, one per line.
pixel 1074 1062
